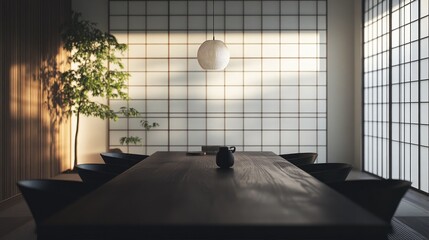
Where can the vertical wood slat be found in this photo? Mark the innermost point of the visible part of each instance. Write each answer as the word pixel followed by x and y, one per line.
pixel 2 57
pixel 33 144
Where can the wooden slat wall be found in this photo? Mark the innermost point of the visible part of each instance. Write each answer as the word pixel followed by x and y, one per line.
pixel 2 6
pixel 34 143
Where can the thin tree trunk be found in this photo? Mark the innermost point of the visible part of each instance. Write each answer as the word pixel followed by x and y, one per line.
pixel 75 139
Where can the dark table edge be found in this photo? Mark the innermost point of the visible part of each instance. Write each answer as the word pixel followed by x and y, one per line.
pixel 214 232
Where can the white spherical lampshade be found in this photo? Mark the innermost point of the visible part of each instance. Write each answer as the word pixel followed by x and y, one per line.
pixel 213 55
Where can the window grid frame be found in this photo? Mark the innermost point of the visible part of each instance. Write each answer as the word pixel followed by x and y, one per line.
pixel 317 115
pixel 407 119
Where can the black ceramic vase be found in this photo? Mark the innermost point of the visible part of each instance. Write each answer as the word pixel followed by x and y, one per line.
pixel 224 157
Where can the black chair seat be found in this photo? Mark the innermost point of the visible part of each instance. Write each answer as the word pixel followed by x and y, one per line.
pixel 299 159
pixel 328 172
pixel 45 197
pixel 381 197
pixel 96 175
pixel 124 159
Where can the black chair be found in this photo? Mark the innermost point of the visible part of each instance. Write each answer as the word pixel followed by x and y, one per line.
pixel 116 150
pixel 124 159
pixel 45 197
pixel 96 175
pixel 381 197
pixel 328 172
pixel 299 159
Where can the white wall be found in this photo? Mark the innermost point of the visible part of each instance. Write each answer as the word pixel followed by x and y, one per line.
pixel 343 83
pixel 93 135
pixel 358 85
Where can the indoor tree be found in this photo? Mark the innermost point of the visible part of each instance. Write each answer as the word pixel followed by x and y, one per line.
pixel 90 52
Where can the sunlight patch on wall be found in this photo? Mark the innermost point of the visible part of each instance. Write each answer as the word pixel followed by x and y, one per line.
pixel 270 97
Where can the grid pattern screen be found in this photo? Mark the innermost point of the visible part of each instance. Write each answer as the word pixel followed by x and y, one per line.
pixel 376 92
pixel 270 97
pixel 396 90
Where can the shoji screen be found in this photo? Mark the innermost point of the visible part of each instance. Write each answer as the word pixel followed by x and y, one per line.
pixel 271 97
pixel 404 92
pixel 376 87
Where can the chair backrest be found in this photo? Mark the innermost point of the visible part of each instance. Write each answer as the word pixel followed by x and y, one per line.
pixel 45 197
pixel 299 159
pixel 328 172
pixel 96 175
pixel 381 197
pixel 124 159
pixel 116 150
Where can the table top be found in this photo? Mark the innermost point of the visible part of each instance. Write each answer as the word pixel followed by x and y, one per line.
pixel 171 194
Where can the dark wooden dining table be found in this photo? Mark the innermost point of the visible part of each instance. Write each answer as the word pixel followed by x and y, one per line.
pixel 172 195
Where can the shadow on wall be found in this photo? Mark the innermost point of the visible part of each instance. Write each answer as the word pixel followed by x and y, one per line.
pixel 52 95
pixel 273 73
pixel 35 140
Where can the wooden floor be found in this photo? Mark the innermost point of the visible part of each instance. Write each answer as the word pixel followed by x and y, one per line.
pixel 411 220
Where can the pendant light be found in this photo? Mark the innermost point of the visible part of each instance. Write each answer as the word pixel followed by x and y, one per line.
pixel 213 54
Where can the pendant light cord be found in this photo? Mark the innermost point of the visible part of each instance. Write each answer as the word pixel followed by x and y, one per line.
pixel 213 19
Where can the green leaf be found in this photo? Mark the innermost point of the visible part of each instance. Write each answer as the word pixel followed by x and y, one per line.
pixel 132 139
pixel 148 126
pixel 89 48
pixel 129 112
